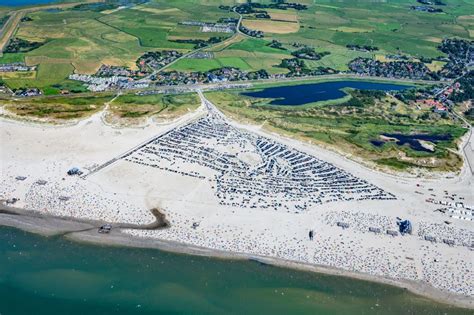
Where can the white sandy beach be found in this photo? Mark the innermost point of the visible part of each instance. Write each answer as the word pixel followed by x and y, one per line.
pixel 244 219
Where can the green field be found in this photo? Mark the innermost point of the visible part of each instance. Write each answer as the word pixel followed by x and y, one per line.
pixel 255 54
pixel 254 45
pixel 48 74
pixel 81 41
pixel 391 25
pixel 330 25
pixel 192 64
pixel 11 58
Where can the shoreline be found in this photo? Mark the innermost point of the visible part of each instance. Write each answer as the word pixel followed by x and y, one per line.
pixel 124 193
pixel 85 231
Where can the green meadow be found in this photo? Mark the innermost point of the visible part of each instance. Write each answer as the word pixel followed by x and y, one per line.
pixel 192 64
pixel 80 41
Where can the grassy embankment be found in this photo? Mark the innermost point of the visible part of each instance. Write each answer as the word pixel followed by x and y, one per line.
pixel 164 106
pixel 349 126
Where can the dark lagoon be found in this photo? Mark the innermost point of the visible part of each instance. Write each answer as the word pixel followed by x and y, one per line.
pixel 41 275
pixel 293 95
pixel 413 140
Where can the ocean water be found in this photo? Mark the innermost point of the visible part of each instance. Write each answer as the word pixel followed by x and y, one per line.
pixel 40 275
pixel 293 95
pixel 24 2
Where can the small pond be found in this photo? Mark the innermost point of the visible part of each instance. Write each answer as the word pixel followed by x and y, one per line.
pixel 414 141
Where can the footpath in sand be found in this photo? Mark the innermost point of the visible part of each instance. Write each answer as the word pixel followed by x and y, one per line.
pixel 238 189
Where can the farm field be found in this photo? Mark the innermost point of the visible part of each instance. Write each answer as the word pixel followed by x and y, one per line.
pixel 331 25
pixel 192 64
pixel 81 40
pixel 390 26
pixel 247 54
pixel 58 107
pixel 255 53
pixel 272 26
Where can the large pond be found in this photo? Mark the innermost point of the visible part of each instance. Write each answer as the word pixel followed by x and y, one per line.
pixel 301 94
pixel 41 275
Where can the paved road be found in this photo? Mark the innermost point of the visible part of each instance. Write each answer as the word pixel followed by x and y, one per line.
pixel 9 28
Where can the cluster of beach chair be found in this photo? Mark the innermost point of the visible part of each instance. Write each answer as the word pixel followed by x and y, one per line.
pixel 251 171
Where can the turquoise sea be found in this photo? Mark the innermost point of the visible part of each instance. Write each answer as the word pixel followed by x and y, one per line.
pixel 24 2
pixel 40 275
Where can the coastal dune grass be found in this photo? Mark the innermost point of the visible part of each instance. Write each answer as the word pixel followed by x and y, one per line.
pixel 57 107
pixel 344 127
pixel 127 106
